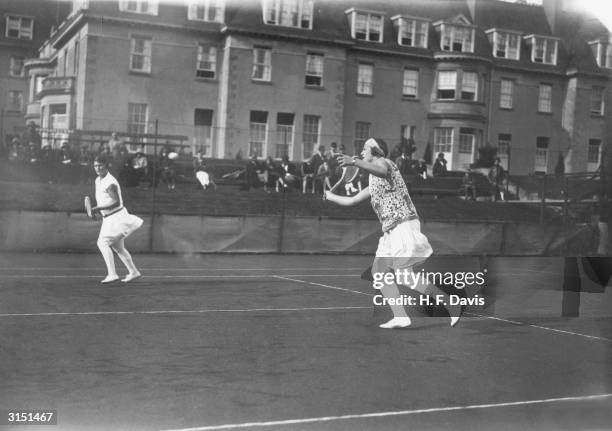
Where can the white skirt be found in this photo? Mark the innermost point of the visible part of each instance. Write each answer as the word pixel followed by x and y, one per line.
pixel 118 226
pixel 404 246
pixel 203 178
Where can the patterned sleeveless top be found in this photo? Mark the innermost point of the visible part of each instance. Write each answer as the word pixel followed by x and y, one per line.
pixel 390 199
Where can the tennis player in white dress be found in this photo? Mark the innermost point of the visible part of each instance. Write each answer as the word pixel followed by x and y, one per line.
pixel 117 223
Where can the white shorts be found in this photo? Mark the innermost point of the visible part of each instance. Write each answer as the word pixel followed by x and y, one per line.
pixel 403 246
pixel 118 226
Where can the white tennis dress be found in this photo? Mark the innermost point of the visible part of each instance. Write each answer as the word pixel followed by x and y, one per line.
pixel 117 223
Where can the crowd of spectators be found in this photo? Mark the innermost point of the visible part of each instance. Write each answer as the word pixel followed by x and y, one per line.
pixel 71 162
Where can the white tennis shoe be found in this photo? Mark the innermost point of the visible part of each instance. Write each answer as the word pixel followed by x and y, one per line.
pixel 131 277
pixel 397 322
pixel 110 279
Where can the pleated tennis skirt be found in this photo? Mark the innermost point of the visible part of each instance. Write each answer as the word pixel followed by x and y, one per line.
pixel 118 226
pixel 404 246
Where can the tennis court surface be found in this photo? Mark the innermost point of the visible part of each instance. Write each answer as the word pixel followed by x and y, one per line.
pixel 292 343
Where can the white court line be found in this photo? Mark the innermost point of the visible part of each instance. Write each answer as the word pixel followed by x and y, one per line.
pixel 391 413
pixel 242 310
pixel 70 268
pixel 593 337
pixel 322 285
pixel 261 276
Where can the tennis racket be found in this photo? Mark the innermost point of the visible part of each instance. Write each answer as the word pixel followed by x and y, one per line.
pixel 87 204
pixel 349 174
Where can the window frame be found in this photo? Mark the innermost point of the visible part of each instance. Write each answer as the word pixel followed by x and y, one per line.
pixel 254 127
pixel 594 143
pixel 362 84
pixel 152 6
pixel 140 125
pixel 368 32
pixel 363 130
pixel 266 65
pixel 601 101
pixel 447 87
pixel 533 40
pixel 494 35
pixel 17 96
pixel 307 134
pixel 22 31
pixel 274 15
pixel 542 101
pixel 453 28
pixel 204 51
pixel 406 83
pixel 463 91
pixel 401 21
pixel 194 6
pixel 447 145
pixel 147 56
pixel 14 59
pixel 508 96
pixel 314 74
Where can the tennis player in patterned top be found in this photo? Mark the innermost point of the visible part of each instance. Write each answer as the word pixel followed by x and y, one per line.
pixel 402 245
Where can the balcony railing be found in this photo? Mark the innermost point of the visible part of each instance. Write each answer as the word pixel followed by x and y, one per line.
pixel 57 85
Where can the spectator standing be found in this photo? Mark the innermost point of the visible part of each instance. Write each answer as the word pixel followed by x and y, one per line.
pixel 439 167
pixel 250 173
pixel 167 173
pixel 323 176
pixel 308 173
pixel 496 177
pixel 140 166
pixel 115 143
pixel 469 186
pixel 422 170
pixel 318 158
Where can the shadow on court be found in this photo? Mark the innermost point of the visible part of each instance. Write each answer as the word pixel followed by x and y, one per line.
pixel 292 342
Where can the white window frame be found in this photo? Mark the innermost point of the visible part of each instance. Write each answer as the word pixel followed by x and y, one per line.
pixel 288 13
pixel 314 70
pixel 311 134
pixel 444 84
pixel 258 135
pixel 502 47
pixel 443 141
pixel 206 61
pixel 365 79
pixel 597 100
pixel 262 67
pixel 368 31
pixel 284 139
pixel 545 98
pixel 12 66
pixel 451 32
pixel 200 10
pixel 136 125
pixel 146 7
pixel 410 83
pixel 407 26
pixel 15 22
pixel 471 85
pixel 549 47
pixel 506 93
pixel 504 143
pixel 146 53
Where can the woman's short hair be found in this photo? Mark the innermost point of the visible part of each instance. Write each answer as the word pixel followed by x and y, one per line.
pixel 102 159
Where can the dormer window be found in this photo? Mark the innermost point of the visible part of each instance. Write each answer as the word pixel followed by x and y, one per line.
pixel 288 13
pixel 148 7
pixel 456 35
pixel 543 49
pixel 411 31
pixel 366 25
pixel 205 10
pixel 506 44
pixel 602 50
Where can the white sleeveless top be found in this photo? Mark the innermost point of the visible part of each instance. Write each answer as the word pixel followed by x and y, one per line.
pixel 103 196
